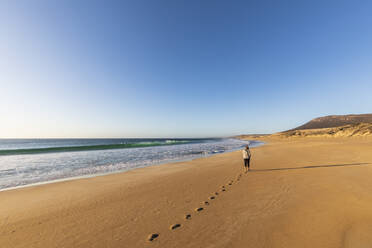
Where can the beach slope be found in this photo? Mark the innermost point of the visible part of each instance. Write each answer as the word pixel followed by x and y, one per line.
pixel 303 192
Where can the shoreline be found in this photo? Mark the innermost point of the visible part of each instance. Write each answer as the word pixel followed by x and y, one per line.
pixel 260 143
pixel 325 183
pixel 98 171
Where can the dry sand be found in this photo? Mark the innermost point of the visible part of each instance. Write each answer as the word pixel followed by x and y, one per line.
pixel 301 193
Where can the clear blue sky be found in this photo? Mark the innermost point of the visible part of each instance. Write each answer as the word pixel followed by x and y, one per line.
pixel 180 68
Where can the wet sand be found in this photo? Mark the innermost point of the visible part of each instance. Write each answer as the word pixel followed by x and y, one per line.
pixel 301 192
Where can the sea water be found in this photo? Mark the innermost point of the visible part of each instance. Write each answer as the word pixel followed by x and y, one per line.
pixel 31 161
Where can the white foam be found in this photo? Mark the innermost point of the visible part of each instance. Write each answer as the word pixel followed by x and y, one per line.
pixel 21 170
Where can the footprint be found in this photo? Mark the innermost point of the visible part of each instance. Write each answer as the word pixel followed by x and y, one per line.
pixel 153 236
pixel 199 209
pixel 230 183
pixel 188 216
pixel 206 203
pixel 223 190
pixel 175 226
pixel 212 198
pixel 216 193
pixel 223 186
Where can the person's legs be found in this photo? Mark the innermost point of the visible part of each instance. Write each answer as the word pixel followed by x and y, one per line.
pixel 248 163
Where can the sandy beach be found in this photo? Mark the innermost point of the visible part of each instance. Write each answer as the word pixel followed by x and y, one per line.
pixel 124 124
pixel 301 192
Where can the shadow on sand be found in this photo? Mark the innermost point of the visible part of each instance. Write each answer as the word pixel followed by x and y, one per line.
pixel 308 167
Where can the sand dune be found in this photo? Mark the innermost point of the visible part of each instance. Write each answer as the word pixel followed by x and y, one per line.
pixel 301 193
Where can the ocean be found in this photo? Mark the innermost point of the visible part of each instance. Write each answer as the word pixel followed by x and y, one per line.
pixel 33 161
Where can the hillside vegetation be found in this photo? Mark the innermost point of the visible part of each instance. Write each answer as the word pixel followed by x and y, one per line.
pixel 335 121
pixel 352 130
pixel 327 126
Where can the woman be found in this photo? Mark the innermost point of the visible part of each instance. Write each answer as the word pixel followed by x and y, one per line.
pixel 247 158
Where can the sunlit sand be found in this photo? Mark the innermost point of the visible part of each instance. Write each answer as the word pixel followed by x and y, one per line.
pixel 304 192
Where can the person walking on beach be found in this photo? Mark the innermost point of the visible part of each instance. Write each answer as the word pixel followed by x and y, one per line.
pixel 247 158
